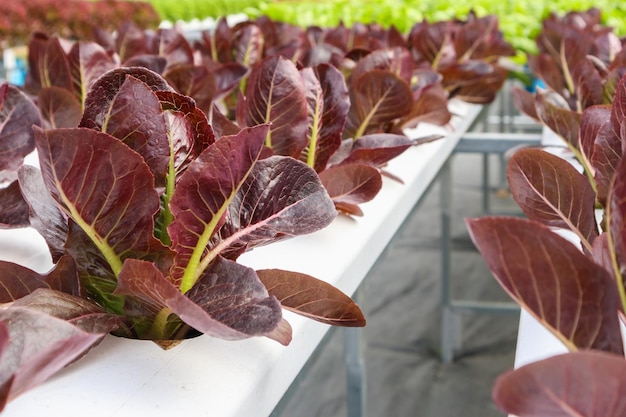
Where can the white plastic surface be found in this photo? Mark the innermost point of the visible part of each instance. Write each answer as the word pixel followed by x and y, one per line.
pixel 211 377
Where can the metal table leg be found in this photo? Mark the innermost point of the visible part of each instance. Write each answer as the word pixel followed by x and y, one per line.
pixel 450 326
pixel 353 357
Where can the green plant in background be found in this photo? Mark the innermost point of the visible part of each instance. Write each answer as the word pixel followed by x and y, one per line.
pixel 20 19
pixel 188 10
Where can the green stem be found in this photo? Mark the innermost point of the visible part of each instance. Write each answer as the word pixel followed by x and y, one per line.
pixel 363 126
pixel 107 251
pixel 616 272
pixel 192 270
pixel 587 169
pixel 435 63
pixel 614 263
pixel 213 48
pixel 567 75
pixel 310 159
pixel 268 139
pixel 158 330
pixel 170 183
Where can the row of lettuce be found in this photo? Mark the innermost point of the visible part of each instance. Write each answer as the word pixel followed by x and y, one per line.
pixel 162 160
pixel 188 153
pixel 519 21
pixel 565 263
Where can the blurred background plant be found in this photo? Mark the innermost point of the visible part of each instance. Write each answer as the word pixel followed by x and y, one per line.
pixel 73 19
pixel 519 20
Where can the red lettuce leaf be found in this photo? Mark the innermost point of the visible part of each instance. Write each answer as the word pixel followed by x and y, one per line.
pixel 550 190
pixel 617 216
pixel 154 63
pixel 618 112
pixel 222 126
pixel 36 52
pixel 566 291
pixel 194 81
pixel 203 194
pixel 524 101
pixel 107 87
pixel 602 251
pixel 217 44
pixel 104 186
pixel 336 104
pixel 428 40
pixel 78 311
pixel 131 113
pixel 59 108
pixel 130 41
pixel 473 81
pixel 95 272
pixel 87 61
pixel 281 38
pixel 234 295
pixel 173 46
pixel 395 60
pixel 351 184
pixel 13 207
pixel 377 149
pixel 589 84
pixel 48 64
pixel 312 298
pixel 227 77
pixel 247 44
pixel 430 105
pixel 275 94
pixel 378 97
pixel 601 146
pixel 45 215
pixel 36 346
pixel 480 38
pixel 17 115
pixel 328 105
pixel 228 301
pixel 548 70
pixel 281 198
pixel 19 281
pixel 315 109
pixel 588 383
pixel 188 128
pixel 560 119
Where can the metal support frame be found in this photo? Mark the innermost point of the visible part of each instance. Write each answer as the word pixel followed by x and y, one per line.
pixel 485 143
pixel 450 327
pixel 356 380
pixel 451 309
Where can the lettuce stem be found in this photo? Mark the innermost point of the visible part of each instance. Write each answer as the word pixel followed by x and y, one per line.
pixel 191 274
pixel 170 183
pixel 158 329
pixel 114 261
pixel 616 270
pixel 310 159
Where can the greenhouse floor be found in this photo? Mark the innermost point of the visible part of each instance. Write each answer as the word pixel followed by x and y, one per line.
pixel 401 300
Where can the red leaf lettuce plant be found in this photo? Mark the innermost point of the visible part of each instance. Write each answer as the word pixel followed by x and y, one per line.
pixel 309 109
pixel 145 213
pixel 466 53
pixel 572 282
pixel 338 99
pixel 580 62
pixel 164 160
pixel 363 85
